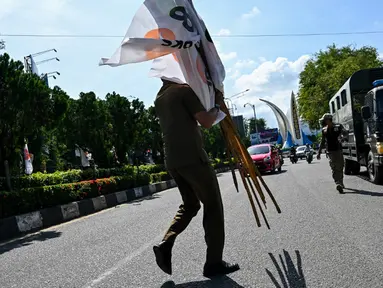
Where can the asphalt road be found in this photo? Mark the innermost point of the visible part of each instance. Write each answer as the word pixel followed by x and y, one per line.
pixel 321 239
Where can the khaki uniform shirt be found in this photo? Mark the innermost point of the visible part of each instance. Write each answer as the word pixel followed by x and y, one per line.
pixel 176 106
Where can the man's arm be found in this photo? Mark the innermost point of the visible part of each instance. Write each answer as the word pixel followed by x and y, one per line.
pixel 207 118
pixel 344 132
pixel 322 143
pixel 195 107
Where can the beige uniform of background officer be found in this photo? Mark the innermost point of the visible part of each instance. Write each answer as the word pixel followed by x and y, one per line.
pixel 331 136
pixel 179 109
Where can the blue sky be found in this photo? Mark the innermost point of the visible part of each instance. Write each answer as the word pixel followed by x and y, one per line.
pixel 268 66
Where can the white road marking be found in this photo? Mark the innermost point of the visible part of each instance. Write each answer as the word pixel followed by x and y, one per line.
pixel 130 257
pixel 123 262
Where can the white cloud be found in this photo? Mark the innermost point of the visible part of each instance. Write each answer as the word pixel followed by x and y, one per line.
pixel 380 56
pixel 228 56
pixel 224 32
pixel 8 7
pixel 235 71
pixel 272 81
pixel 262 59
pixel 234 74
pixel 217 45
pixel 224 56
pixel 244 64
pixel 254 12
pixel 45 16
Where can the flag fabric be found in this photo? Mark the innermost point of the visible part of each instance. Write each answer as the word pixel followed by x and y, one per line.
pixel 171 33
pixel 28 161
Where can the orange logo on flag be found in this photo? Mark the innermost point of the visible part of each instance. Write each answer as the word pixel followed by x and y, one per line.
pixel 160 33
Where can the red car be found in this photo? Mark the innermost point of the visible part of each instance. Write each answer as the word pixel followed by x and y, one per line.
pixel 265 157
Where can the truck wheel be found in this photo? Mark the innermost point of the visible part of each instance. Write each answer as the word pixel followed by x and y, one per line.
pixel 374 172
pixel 348 167
pixel 355 168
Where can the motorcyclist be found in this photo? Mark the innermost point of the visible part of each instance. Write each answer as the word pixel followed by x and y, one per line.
pixel 293 151
pixel 280 153
pixel 308 148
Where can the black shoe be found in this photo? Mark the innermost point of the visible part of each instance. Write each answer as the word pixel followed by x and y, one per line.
pixel 163 252
pixel 339 187
pixel 222 268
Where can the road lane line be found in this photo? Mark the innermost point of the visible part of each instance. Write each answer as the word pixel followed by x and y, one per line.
pixel 123 262
pixel 130 257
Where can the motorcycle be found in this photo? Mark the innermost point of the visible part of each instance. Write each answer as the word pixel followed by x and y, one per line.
pixel 309 157
pixel 293 159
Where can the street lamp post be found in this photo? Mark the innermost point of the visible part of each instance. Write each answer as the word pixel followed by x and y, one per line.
pixel 234 107
pixel 243 92
pixel 255 116
pixel 227 99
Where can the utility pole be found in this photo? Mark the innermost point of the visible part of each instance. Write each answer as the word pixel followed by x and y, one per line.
pixel 255 116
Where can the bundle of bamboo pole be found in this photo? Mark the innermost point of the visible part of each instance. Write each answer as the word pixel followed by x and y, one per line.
pixel 249 173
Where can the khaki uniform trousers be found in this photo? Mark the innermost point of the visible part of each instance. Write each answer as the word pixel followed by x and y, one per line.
pixel 337 165
pixel 197 184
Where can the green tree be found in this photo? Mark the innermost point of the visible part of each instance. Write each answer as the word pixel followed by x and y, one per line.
pixel 260 123
pixel 2 44
pixel 121 112
pixel 140 133
pixel 28 108
pixel 325 73
pixel 155 142
pixel 214 142
pixel 90 127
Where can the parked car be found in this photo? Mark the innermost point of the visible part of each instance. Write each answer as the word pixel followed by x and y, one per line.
pixel 265 157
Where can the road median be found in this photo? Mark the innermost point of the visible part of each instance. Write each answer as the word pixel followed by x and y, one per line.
pixel 19 225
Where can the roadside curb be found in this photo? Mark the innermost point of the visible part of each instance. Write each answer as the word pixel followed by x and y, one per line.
pixel 32 222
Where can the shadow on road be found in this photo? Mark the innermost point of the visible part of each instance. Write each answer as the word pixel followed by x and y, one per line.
pixel 363 192
pixel 138 201
pixel 290 276
pixel 275 173
pixel 40 237
pixel 222 282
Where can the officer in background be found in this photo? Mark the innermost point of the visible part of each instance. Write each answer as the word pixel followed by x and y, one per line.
pixel 332 134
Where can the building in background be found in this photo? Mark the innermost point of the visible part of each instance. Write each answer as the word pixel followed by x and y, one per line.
pixel 239 124
pixel 267 136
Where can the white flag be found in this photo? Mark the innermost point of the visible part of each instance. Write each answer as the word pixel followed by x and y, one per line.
pixel 28 161
pixel 171 33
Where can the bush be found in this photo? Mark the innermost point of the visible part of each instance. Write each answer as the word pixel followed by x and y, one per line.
pixel 219 164
pixel 40 190
pixel 72 176
pixel 31 199
pixel 160 177
pixel 152 169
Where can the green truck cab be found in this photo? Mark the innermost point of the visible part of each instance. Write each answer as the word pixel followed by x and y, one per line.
pixel 358 106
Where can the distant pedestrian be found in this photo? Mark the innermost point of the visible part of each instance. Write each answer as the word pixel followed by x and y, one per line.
pixel 332 134
pixel 178 109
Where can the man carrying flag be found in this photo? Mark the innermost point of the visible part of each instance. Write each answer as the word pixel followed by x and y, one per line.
pixel 171 33
pixel 179 109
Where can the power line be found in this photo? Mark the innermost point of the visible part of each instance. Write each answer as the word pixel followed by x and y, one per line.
pixel 216 36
